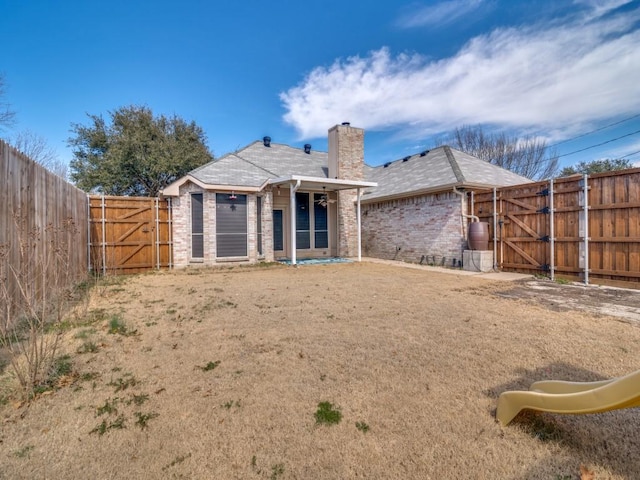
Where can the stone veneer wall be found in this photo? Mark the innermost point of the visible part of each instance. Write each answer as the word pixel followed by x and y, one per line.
pixel 346 161
pixel 267 225
pixel 408 228
pixel 181 211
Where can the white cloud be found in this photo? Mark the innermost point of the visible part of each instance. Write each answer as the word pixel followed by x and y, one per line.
pixel 597 8
pixel 551 77
pixel 439 14
pixel 625 151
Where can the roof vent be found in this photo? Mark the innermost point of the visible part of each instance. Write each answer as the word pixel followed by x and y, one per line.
pixel 307 148
pixel 266 141
pixel 386 164
pixel 422 154
pixel 346 124
pixel 405 159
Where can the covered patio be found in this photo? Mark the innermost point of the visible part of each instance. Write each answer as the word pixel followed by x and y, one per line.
pixel 346 193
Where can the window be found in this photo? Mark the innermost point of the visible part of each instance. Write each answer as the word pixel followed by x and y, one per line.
pixel 197 226
pixel 303 233
pixel 231 225
pixel 259 225
pixel 320 224
pixel 311 222
pixel 278 231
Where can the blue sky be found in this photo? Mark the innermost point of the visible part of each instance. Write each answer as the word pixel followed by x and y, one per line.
pixel 408 72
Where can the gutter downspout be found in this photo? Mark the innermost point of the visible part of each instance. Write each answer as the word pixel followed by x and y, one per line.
pixel 473 218
pixel 292 205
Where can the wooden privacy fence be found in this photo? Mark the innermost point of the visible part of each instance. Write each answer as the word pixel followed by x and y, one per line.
pixel 43 221
pixel 129 234
pixel 580 227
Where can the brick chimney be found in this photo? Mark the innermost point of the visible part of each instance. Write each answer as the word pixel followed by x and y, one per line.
pixel 346 162
pixel 346 152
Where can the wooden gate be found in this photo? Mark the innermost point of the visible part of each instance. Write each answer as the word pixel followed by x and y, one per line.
pixel 129 234
pixel 522 226
pixel 581 227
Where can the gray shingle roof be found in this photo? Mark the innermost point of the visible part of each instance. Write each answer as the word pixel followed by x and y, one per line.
pixel 441 167
pixel 255 164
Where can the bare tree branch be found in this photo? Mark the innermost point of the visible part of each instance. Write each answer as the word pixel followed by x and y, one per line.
pixel 7 116
pixel 528 156
pixel 37 149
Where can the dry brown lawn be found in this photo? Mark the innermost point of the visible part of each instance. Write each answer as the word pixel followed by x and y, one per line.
pixel 226 368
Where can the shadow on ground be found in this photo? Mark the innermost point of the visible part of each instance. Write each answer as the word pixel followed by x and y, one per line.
pixel 610 441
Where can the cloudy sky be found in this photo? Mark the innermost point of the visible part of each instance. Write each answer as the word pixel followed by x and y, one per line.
pixel 408 72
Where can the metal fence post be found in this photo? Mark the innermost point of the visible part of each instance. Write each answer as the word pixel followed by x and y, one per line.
pixel 104 236
pixel 552 238
pixel 585 180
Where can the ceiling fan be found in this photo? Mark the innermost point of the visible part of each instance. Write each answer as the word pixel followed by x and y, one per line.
pixel 324 199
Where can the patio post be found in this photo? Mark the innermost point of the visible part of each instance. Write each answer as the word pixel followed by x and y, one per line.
pixel 359 219
pixel 292 214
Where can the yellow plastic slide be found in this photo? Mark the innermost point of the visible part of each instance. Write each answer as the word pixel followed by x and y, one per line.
pixel 571 397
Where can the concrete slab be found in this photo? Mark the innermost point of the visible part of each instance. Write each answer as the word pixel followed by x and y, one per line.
pixel 505 276
pixel 500 276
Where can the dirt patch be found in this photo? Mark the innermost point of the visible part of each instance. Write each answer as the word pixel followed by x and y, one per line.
pixel 623 304
pixel 221 374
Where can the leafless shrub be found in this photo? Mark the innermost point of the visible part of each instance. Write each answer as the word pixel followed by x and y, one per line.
pixel 37 288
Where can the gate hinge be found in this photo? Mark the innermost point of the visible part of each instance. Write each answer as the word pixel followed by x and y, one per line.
pixel 545 267
pixel 545 238
pixel 544 210
pixel 543 193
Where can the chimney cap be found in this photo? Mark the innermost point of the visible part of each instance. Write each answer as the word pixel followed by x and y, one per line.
pixel 266 141
pixel 307 148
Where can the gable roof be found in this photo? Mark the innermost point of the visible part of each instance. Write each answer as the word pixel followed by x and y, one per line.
pixel 253 166
pixel 435 170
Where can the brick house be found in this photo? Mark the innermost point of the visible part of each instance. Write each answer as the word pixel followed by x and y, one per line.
pixel 238 208
pixel 422 204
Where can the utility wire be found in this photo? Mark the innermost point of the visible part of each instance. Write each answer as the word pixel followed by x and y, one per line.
pixel 594 131
pixel 629 154
pixel 599 144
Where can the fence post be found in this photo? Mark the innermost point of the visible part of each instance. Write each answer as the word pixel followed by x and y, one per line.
pixel 170 238
pixel 89 232
pixel 552 238
pixel 495 229
pixel 104 236
pixel 157 234
pixel 585 180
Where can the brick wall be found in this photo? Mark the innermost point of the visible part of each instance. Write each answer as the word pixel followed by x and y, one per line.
pixel 267 225
pixel 181 210
pixel 409 228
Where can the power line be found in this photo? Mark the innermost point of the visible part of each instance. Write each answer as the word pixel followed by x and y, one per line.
pixel 594 131
pixel 599 144
pixel 629 154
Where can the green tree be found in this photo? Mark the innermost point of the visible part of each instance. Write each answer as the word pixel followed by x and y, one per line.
pixel 136 153
pixel 526 156
pixel 596 166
